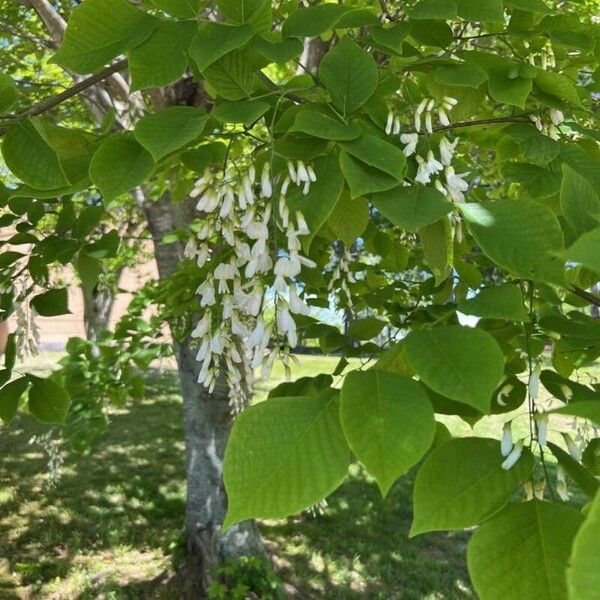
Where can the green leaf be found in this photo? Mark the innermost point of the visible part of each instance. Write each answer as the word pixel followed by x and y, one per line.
pixel 364 180
pixel 29 156
pixel 182 9
pixel 462 483
pixel 586 250
pixel 283 455
pixel 8 92
pixel 388 422
pixel 51 303
pixel 170 129
pixel 106 247
pixel 246 112
pixel 119 164
pixel 481 10
pixel 391 38
pixel 535 6
pixel 315 20
pixel 349 74
pixel 377 153
pixel 578 473
pixel 583 575
pixel 507 89
pixel 318 204
pixel 204 156
pixel 255 12
pixel 349 218
pixel 522 552
pixel 461 75
pixel 496 302
pixel 278 51
pixel 586 409
pixel 579 201
pixel 215 40
pixel 324 126
pixel 163 57
pixel 366 328
pixel 521 236
pixel 10 395
pixel 433 9
pixel 412 207
pixel 232 76
pixel 100 30
pixel 438 248
pixel 89 270
pixel 48 401
pixel 461 363
pixel 557 85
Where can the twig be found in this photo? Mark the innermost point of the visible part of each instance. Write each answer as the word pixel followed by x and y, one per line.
pixel 591 298
pixel 48 103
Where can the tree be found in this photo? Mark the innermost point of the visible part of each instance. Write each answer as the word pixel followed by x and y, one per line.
pixel 272 184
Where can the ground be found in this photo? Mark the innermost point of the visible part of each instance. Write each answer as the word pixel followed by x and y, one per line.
pixel 109 527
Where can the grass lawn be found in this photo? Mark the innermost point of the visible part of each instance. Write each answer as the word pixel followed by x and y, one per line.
pixel 107 529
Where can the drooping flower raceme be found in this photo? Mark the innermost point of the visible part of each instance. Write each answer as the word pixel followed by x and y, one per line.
pixel 236 249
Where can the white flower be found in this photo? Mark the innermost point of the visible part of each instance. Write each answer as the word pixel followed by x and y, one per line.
pixel 443 117
pixel 417 121
pixel 447 150
pixel 311 174
pixel 297 305
pixel 257 335
pixel 227 205
pixel 534 383
pixel 302 224
pixel 292 171
pixel 556 116
pixel 428 123
pixel 265 183
pixel 286 267
pixel 514 455
pixel 541 421
pixel 410 140
pixel 303 172
pixel 456 185
pixel 433 165
pixel 390 123
pixel 203 326
pixel 566 391
pixel 287 325
pixel 206 291
pixel 507 442
pixel 440 187
pixel 256 230
pixel 423 175
pixel 573 448
pixel 223 273
pixel 537 122
pixel 449 103
pixel 422 106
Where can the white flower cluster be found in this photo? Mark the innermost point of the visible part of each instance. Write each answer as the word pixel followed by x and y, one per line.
pixel 341 274
pixel 550 129
pixel 232 334
pixel 546 57
pixel 27 331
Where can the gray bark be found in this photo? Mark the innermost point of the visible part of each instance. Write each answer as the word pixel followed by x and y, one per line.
pixel 207 420
pixel 97 307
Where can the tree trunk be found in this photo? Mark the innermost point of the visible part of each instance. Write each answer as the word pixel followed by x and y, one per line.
pixel 207 422
pixel 97 307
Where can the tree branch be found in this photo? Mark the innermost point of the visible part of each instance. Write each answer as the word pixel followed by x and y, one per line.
pixel 490 121
pixel 591 298
pixel 45 105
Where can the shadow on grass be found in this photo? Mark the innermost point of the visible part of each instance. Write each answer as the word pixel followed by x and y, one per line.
pixel 105 530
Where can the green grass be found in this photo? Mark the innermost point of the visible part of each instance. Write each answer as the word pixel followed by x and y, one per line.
pixel 105 530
